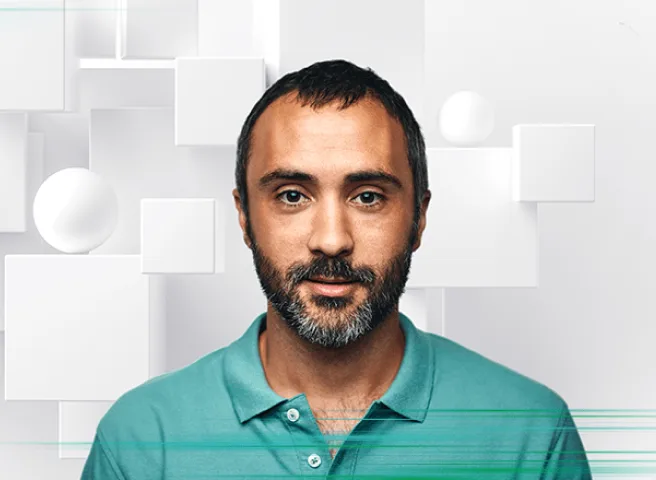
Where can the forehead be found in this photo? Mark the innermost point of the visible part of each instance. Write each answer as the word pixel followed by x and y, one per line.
pixel 291 135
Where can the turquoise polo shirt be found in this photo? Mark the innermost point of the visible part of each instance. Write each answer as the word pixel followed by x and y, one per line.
pixel 449 413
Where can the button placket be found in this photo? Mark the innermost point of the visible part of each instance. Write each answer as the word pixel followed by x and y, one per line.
pixel 314 460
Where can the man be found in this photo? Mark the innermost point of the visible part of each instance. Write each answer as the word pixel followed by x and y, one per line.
pixel 332 379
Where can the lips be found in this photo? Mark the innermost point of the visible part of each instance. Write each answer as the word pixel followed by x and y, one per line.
pixel 337 281
pixel 334 289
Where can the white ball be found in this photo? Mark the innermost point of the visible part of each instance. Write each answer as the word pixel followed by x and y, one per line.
pixel 75 210
pixel 466 119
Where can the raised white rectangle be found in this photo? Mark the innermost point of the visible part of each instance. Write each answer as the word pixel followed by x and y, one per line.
pixel 13 171
pixel 177 235
pixel 159 28
pixel 32 55
pixel 213 97
pixel 78 422
pixel 554 163
pixel 475 235
pixel 225 28
pixel 80 327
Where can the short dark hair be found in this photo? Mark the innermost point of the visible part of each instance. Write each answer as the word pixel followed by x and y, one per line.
pixel 338 80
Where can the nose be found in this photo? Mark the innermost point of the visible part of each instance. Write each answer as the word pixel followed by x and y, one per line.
pixel 331 230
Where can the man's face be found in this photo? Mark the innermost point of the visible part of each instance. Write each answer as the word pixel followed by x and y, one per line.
pixel 356 231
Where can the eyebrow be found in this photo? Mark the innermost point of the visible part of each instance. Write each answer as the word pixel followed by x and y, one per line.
pixel 376 175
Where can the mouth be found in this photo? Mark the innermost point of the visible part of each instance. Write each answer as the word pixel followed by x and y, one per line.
pixel 332 288
pixel 331 280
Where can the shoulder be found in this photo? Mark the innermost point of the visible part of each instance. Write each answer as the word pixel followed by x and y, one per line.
pixel 142 411
pixel 135 431
pixel 485 382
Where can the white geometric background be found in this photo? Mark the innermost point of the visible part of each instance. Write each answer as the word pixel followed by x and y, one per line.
pixel 552 278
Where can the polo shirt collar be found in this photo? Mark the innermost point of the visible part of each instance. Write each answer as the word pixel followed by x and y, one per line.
pixel 409 394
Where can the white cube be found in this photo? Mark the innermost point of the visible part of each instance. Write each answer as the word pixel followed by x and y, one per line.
pixel 213 97
pixel 554 163
pixel 475 235
pixel 81 327
pixel 32 55
pixel 177 235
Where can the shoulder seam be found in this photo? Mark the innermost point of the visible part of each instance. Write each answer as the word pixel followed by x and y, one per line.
pixel 104 447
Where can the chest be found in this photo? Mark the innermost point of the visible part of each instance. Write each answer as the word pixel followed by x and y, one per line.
pixel 337 421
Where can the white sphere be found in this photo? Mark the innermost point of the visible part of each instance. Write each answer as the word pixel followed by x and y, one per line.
pixel 75 210
pixel 466 119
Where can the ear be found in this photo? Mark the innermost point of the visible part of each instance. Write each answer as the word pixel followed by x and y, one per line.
pixel 242 217
pixel 422 219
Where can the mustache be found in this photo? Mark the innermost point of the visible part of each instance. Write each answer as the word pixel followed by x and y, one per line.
pixel 334 269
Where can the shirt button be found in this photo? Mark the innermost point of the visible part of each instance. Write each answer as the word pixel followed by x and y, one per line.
pixel 292 414
pixel 314 460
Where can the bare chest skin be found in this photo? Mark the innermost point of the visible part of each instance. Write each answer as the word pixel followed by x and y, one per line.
pixel 336 421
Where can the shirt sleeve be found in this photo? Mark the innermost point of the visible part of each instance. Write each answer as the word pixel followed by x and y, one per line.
pixel 100 465
pixel 566 458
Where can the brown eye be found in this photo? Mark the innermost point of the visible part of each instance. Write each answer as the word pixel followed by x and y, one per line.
pixel 291 195
pixel 368 197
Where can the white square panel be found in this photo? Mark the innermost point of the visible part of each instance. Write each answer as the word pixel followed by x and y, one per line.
pixel 32 54
pixel 213 97
pixel 159 28
pixel 78 422
pixel 554 163
pixel 95 332
pixel 13 171
pixel 177 235
pixel 476 235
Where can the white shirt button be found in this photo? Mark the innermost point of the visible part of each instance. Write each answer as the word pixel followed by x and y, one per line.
pixel 292 414
pixel 314 460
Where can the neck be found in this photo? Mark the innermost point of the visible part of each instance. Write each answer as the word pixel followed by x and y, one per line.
pixel 362 371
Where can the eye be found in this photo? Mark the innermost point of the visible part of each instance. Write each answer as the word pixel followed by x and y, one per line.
pixel 368 195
